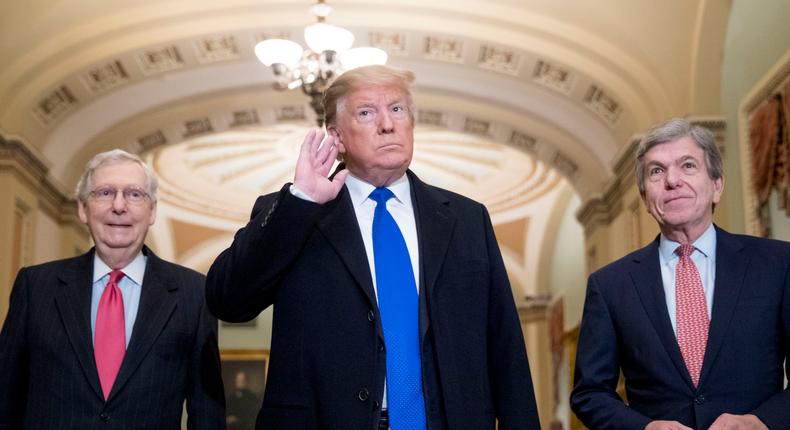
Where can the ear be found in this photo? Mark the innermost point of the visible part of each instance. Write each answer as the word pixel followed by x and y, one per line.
pixel 152 216
pixel 81 211
pixel 332 130
pixel 718 189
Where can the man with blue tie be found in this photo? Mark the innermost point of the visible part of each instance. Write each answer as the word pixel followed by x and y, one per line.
pixel 116 338
pixel 392 306
pixel 698 321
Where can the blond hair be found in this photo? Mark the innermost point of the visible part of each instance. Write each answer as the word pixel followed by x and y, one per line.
pixel 367 76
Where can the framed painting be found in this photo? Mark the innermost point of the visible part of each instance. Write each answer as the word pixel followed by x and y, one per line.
pixel 244 375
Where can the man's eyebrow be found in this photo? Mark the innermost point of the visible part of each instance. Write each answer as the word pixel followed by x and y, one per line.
pixel 687 157
pixel 365 104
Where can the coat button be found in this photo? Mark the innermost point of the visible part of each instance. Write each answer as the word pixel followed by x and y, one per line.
pixel 381 347
pixel 363 395
pixel 371 315
pixel 699 399
pixel 104 417
pixel 376 404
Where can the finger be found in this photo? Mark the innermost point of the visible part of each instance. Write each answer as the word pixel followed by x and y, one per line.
pixel 717 424
pixel 339 180
pixel 326 147
pixel 307 143
pixel 331 154
pixel 315 145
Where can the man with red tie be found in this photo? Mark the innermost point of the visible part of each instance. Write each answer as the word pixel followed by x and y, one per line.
pixel 114 338
pixel 698 321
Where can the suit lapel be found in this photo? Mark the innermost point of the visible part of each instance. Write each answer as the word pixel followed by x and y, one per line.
pixel 730 272
pixel 435 221
pixel 73 300
pixel 341 229
pixel 158 300
pixel 647 279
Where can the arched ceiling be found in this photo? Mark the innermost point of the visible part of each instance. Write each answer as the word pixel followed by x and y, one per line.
pixel 518 101
pixel 574 79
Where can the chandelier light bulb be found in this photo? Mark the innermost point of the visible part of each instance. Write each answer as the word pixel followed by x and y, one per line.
pixel 279 51
pixel 313 69
pixel 321 10
pixel 322 37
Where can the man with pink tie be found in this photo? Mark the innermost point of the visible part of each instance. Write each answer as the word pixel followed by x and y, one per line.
pixel 698 321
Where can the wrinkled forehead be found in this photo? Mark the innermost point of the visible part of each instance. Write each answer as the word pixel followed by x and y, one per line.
pixel 675 150
pixel 375 94
pixel 127 172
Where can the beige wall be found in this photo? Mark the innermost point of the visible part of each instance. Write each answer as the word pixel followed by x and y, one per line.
pixel 37 221
pixel 567 268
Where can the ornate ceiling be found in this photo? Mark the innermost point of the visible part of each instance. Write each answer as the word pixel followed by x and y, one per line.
pixel 208 184
pixel 514 96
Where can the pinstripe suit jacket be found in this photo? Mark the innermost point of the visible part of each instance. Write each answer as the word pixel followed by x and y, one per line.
pixel 48 376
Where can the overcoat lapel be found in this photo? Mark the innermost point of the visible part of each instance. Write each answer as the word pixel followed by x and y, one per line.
pixel 646 276
pixel 731 266
pixel 73 301
pixel 158 300
pixel 341 230
pixel 435 224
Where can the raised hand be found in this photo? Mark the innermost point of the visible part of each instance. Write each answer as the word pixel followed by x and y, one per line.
pixel 312 167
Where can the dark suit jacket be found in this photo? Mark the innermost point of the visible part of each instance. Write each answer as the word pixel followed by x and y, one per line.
pixel 327 364
pixel 48 376
pixel 626 326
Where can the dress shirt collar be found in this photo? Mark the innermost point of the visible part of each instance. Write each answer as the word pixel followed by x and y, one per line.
pixel 134 270
pixel 360 190
pixel 706 244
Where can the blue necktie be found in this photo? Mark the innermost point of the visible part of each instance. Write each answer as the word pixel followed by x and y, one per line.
pixel 397 295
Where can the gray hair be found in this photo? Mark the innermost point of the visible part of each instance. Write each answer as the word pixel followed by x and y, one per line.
pixel 115 156
pixel 365 76
pixel 674 129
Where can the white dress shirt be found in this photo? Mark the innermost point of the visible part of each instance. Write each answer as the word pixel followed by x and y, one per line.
pixel 131 286
pixel 401 209
pixel 704 257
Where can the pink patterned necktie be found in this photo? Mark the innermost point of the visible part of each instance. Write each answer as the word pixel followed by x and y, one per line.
pixel 109 344
pixel 691 311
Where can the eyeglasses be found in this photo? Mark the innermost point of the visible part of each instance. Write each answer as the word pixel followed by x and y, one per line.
pixel 133 196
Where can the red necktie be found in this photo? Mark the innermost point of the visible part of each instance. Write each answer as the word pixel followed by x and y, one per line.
pixel 109 344
pixel 691 311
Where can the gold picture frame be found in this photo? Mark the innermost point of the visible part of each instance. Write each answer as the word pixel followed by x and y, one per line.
pixel 244 375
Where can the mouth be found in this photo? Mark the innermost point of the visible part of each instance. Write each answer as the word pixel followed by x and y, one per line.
pixel 675 199
pixel 111 225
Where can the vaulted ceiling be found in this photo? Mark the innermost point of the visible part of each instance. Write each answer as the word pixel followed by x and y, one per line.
pixel 564 85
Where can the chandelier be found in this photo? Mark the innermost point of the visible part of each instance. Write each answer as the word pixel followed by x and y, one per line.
pixel 327 56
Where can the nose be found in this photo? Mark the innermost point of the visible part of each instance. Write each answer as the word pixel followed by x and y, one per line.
pixel 386 125
pixel 673 178
pixel 119 202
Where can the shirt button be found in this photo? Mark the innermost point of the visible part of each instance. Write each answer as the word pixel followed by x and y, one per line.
pixel 363 395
